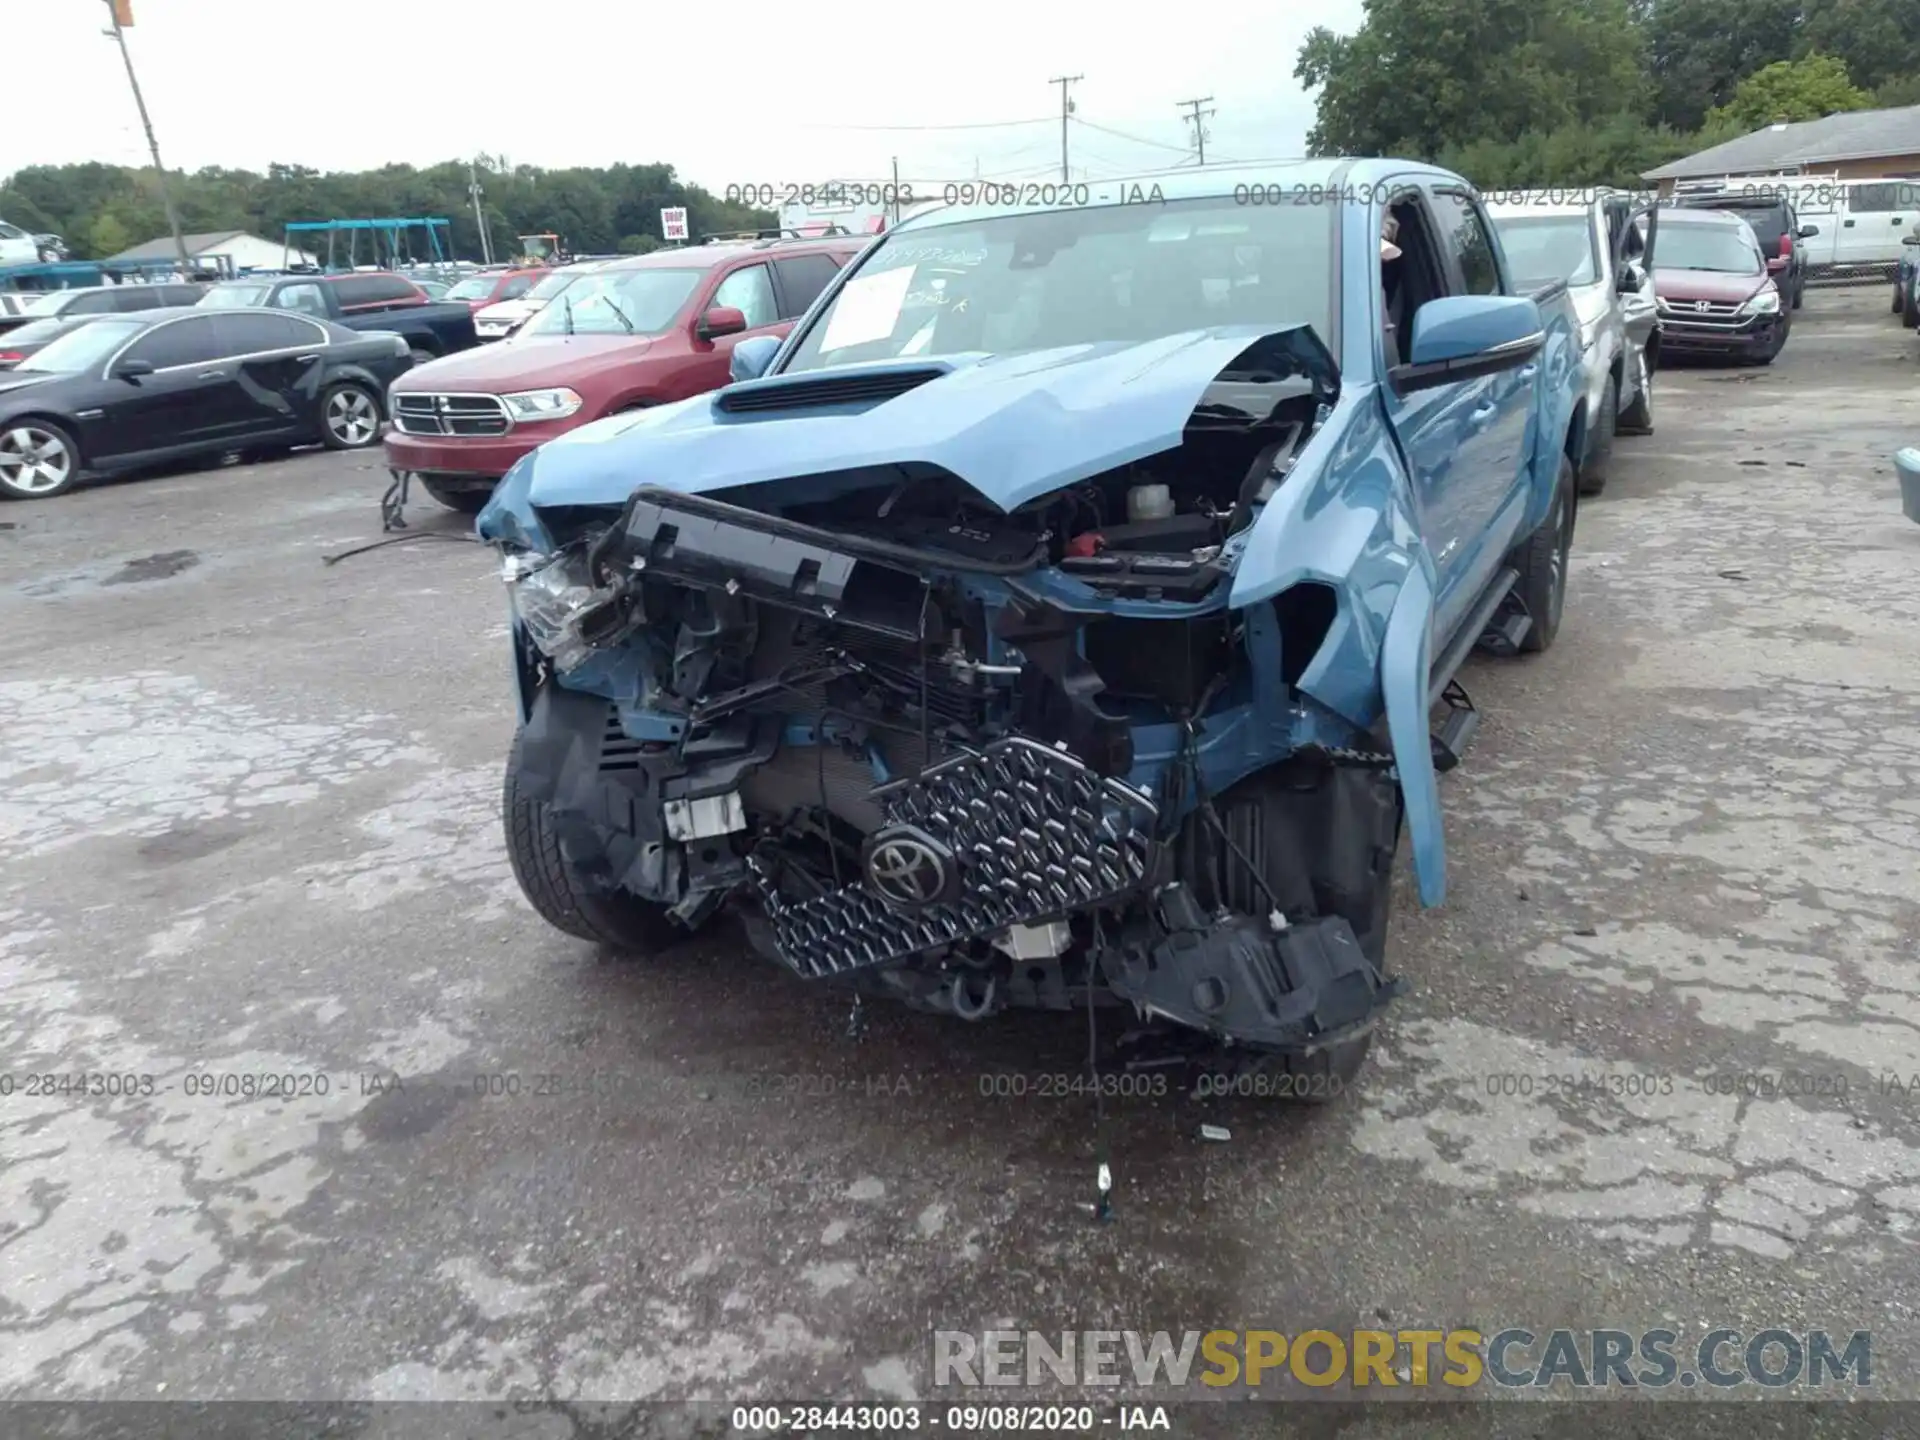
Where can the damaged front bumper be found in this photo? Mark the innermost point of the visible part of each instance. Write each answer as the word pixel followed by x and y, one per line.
pixel 1010 860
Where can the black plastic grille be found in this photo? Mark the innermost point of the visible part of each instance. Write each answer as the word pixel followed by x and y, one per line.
pixel 1038 836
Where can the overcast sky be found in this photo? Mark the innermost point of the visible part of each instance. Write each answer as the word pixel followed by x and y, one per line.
pixel 733 93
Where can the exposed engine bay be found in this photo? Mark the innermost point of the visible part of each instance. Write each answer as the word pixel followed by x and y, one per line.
pixel 966 757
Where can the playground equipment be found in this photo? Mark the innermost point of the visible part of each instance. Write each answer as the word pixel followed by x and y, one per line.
pixel 392 244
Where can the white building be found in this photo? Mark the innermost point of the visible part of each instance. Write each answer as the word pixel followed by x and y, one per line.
pixel 241 251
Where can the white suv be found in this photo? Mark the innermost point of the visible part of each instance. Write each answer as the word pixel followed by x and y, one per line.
pixel 17 247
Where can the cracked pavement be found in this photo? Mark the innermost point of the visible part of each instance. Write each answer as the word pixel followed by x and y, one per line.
pixel 1660 1062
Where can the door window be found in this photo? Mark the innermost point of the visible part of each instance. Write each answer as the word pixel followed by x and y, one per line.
pixel 192 341
pixel 99 302
pixel 802 278
pixel 1464 236
pixel 304 298
pixel 1884 197
pixel 750 291
pixel 515 288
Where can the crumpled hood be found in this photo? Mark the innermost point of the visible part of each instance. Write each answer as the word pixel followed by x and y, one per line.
pixel 538 363
pixel 1014 427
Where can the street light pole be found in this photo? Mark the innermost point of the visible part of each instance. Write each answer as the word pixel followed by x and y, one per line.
pixel 114 12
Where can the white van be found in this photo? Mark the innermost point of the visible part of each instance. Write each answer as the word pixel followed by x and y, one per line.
pixel 1857 223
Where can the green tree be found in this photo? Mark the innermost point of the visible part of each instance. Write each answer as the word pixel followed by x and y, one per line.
pixel 1790 90
pixel 1699 50
pixel 1878 39
pixel 1419 76
pixel 107 236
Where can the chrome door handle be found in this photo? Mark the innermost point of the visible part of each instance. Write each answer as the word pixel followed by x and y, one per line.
pixel 305 359
pixel 211 375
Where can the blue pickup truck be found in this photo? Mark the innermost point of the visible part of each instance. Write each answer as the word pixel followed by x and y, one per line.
pixel 1066 613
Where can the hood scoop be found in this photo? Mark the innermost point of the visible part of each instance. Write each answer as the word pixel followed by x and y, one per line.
pixel 806 392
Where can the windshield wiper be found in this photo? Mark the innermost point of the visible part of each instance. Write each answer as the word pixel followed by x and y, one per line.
pixel 566 309
pixel 618 313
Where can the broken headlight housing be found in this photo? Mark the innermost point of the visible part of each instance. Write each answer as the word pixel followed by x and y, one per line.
pixel 565 615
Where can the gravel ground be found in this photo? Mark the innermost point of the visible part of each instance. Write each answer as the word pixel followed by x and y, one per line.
pixel 249 826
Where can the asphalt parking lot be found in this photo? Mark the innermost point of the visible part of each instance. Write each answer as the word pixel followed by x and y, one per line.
pixel 248 827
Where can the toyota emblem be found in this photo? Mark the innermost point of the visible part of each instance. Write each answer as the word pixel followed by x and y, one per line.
pixel 909 869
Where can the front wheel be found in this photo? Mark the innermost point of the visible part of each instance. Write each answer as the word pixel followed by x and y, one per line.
pixel 558 892
pixel 38 459
pixel 349 417
pixel 1593 475
pixel 1910 305
pixel 1542 562
pixel 1637 418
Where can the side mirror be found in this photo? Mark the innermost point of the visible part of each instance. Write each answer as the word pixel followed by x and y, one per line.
pixel 134 370
pixel 721 320
pixel 752 357
pixel 1910 239
pixel 1459 337
pixel 1631 278
pixel 1807 232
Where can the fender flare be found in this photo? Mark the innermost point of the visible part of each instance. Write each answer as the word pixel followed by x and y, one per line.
pixel 1406 662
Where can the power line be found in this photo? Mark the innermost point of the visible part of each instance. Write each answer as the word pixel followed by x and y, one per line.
pixel 1066 113
pixel 1198 120
pixel 975 125
pixel 1136 139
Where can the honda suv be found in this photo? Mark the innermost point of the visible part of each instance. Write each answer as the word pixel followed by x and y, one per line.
pixel 632 333
pixel 1715 295
pixel 1769 213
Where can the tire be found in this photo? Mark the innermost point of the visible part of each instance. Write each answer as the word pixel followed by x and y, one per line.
pixel 1899 298
pixel 1637 418
pixel 349 417
pixel 1593 475
pixel 468 501
pixel 38 459
pixel 556 891
pixel 1909 308
pixel 1800 293
pixel 1542 562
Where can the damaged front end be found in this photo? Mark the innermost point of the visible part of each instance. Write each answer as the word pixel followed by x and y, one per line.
pixel 972 755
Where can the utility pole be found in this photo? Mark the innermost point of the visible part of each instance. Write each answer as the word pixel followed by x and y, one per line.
pixel 1198 120
pixel 121 14
pixel 479 215
pixel 1066 109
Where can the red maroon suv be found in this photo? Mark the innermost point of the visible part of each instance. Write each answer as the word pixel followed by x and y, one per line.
pixel 638 332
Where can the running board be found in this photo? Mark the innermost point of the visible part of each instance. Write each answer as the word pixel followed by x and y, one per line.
pixel 1470 634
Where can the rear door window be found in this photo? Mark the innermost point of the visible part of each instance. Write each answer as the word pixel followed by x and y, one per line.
pixel 802 278
pixel 242 334
pixel 373 291
pixel 1884 197
pixel 99 302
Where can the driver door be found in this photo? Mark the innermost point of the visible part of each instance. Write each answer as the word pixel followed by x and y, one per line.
pixel 188 401
pixel 749 289
pixel 1633 275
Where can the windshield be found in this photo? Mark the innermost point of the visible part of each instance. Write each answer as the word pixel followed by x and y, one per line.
pixel 86 347
pixel 1707 247
pixel 38 332
pixel 477 288
pixel 618 302
pixel 553 284
pixel 1544 249
pixel 229 296
pixel 1116 273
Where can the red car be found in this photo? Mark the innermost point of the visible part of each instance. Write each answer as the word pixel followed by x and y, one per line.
pixel 1716 295
pixel 490 287
pixel 637 332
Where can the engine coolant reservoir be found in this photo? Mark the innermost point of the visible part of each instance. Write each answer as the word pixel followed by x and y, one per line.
pixel 1149 502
